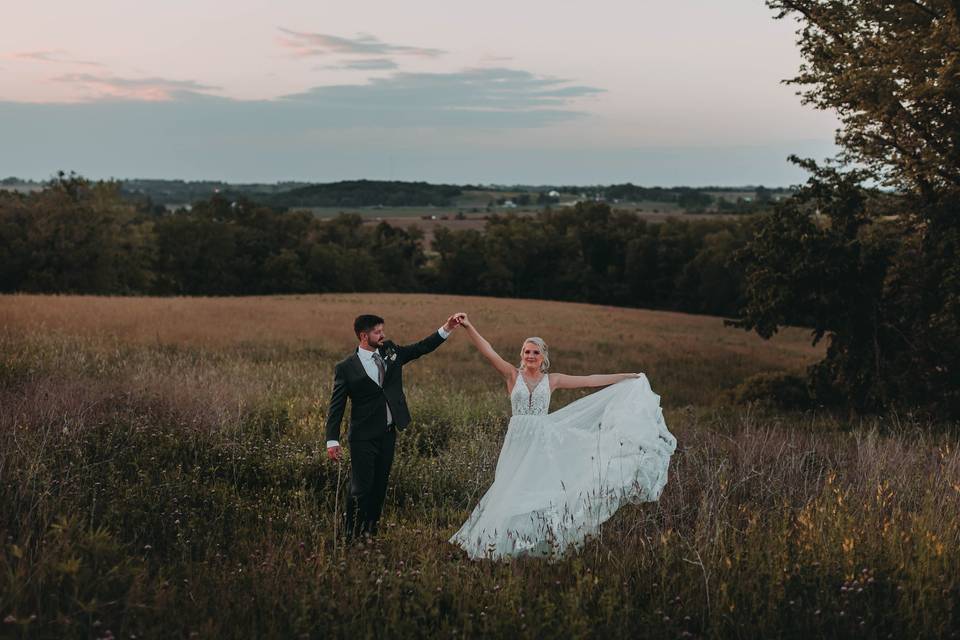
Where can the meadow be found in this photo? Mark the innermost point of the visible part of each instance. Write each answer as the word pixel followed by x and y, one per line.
pixel 163 474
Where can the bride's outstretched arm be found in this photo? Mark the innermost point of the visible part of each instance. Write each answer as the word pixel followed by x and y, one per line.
pixel 503 367
pixel 563 381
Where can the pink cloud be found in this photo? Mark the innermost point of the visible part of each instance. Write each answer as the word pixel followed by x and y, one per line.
pixel 141 89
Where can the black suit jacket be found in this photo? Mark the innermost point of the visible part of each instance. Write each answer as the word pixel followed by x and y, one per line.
pixel 368 416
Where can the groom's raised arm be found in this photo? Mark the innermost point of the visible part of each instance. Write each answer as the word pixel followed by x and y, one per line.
pixel 411 352
pixel 338 404
pixel 407 353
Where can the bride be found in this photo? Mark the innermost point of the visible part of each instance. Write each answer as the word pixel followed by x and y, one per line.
pixel 561 475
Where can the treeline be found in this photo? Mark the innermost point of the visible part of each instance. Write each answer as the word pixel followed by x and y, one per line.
pixel 161 194
pixel 180 192
pixel 592 253
pixel 348 193
pixel 81 237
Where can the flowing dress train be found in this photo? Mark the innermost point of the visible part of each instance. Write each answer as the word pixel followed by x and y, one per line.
pixel 561 475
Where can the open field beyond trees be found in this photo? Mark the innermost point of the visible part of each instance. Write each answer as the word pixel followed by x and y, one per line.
pixel 163 474
pixel 429 220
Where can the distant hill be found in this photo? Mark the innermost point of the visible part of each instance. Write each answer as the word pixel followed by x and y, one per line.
pixel 365 193
pixel 176 192
pixel 354 194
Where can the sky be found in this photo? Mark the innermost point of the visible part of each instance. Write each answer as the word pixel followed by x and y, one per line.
pixel 523 92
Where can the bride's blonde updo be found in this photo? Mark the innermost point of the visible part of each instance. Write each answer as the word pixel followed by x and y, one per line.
pixel 543 351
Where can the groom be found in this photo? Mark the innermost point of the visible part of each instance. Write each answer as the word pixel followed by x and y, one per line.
pixel 372 377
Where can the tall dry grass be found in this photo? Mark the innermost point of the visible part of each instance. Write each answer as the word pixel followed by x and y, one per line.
pixel 162 474
pixel 680 353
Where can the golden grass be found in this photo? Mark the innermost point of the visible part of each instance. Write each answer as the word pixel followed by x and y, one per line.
pixel 687 358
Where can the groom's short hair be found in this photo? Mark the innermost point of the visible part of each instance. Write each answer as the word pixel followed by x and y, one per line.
pixel 365 323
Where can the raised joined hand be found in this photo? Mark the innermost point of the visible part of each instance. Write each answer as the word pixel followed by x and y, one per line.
pixel 454 321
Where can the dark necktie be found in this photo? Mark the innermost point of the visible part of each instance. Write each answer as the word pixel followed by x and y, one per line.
pixel 378 360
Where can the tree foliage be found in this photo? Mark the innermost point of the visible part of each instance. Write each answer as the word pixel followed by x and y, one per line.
pixel 593 253
pixel 891 71
pixel 83 237
pixel 874 271
pixel 72 236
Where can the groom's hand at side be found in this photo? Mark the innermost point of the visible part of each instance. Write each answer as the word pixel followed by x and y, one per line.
pixel 335 453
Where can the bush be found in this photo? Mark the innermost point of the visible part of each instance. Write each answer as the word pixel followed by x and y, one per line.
pixel 778 390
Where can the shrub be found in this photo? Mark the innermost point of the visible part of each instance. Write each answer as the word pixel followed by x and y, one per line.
pixel 779 390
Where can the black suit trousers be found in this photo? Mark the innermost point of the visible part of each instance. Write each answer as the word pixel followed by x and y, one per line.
pixel 370 462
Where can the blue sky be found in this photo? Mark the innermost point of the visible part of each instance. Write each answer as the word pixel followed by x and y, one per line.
pixel 654 93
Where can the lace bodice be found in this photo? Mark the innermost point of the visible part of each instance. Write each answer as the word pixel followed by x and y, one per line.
pixel 530 403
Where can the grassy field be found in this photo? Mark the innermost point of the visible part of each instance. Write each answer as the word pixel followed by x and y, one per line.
pixel 162 473
pixel 469 211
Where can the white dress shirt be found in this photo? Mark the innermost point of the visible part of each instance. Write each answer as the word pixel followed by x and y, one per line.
pixel 366 359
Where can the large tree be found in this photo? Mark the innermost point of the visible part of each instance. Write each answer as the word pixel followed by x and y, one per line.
pixel 873 268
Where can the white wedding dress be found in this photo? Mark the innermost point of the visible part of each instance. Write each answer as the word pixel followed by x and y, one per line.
pixel 561 475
